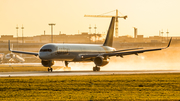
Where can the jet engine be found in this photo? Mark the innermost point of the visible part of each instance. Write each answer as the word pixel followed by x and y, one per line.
pixel 48 63
pixel 101 61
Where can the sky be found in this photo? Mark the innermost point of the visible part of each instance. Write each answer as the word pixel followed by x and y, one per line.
pixel 149 16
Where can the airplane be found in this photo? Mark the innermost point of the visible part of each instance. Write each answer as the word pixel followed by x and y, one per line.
pixel 99 54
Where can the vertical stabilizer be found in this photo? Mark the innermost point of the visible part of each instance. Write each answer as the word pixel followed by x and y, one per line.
pixel 109 37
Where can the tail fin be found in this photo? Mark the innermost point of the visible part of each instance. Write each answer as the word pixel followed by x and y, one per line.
pixel 109 37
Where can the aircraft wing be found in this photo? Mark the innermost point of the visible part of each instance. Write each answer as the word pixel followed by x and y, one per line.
pixel 22 52
pixel 127 49
pixel 121 54
pixel 131 52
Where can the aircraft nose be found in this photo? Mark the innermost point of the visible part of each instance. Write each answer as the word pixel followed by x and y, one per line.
pixel 42 55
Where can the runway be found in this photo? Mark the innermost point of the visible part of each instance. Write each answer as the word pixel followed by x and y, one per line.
pixel 80 73
pixel 20 65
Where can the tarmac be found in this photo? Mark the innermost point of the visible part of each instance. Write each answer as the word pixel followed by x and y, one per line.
pixel 81 73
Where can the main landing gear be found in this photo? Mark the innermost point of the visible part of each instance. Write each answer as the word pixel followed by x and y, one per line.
pixel 66 66
pixel 50 69
pixel 66 63
pixel 96 68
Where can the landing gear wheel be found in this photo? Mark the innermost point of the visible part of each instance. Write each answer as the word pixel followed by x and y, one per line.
pixel 50 69
pixel 96 68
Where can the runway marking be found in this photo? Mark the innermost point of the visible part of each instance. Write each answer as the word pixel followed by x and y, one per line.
pixel 81 73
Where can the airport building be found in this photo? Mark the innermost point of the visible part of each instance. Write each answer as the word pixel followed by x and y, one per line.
pixel 34 43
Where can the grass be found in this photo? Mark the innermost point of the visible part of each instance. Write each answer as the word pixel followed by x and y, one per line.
pixel 105 87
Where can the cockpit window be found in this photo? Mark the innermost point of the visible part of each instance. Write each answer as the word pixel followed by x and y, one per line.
pixel 45 50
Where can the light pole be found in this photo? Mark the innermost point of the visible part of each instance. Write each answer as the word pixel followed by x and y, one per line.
pixel 22 34
pixel 162 34
pixel 95 32
pixel 52 24
pixel 17 35
pixel 167 34
pixel 90 33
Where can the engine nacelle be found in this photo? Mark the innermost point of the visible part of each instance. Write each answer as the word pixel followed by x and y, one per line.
pixel 48 63
pixel 100 61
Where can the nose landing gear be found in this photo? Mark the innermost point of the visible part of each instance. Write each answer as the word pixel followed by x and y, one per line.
pixel 50 69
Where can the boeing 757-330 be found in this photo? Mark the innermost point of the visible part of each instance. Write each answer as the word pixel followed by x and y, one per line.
pixel 99 54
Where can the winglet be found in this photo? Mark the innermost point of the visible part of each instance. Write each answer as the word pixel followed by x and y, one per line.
pixel 169 43
pixel 9 45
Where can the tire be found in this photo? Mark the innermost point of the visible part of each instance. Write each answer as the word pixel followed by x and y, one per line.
pixel 94 69
pixel 98 68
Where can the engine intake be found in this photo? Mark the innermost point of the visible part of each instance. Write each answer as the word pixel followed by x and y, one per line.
pixel 100 61
pixel 48 63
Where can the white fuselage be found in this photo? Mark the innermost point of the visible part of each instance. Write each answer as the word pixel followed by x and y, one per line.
pixel 71 52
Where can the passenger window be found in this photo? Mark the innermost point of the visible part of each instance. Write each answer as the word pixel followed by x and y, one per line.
pixel 62 51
